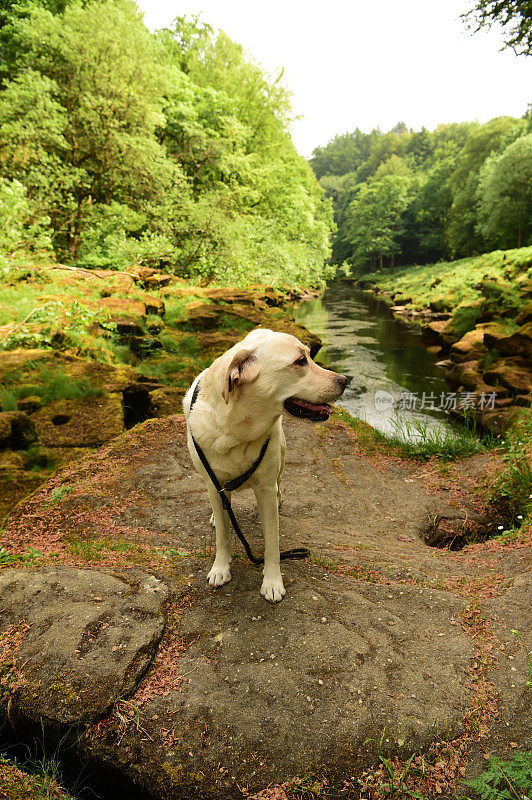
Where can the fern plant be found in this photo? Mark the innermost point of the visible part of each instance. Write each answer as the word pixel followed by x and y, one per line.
pixel 505 780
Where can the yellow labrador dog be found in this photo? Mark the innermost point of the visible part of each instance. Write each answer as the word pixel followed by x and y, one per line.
pixel 237 407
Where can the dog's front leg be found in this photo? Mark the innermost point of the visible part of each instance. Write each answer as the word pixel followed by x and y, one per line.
pixel 272 588
pixel 220 571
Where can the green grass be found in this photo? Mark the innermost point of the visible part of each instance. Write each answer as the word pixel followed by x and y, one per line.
pixel 90 550
pixel 58 494
pixel 40 776
pixel 7 559
pixel 176 308
pixel 49 385
pixel 8 401
pixel 187 346
pixel 160 370
pixel 511 492
pixel 416 439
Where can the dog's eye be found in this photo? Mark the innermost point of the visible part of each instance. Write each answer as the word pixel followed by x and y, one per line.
pixel 300 362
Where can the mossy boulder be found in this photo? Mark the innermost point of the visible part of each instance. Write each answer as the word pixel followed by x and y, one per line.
pixel 167 400
pixel 80 423
pixel 89 638
pixel 17 430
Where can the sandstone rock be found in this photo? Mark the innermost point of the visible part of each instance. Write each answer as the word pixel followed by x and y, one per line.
pixel 80 423
pixel 128 326
pixel 221 294
pixel 518 343
pixel 440 332
pixel 525 315
pixel 466 374
pixel 150 278
pixel 514 373
pixel 30 403
pixel 166 401
pixel 499 421
pixel 155 326
pixel 470 347
pixel 364 641
pixel 120 306
pixel 202 316
pixel 116 281
pixel 439 305
pixel 143 346
pixel 523 400
pixel 154 305
pixel 446 363
pixel 525 287
pixel 16 430
pixel 90 640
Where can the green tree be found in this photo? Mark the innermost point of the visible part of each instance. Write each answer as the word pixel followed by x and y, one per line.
pixel 515 16
pixel 374 219
pixel 95 78
pixel 462 232
pixel 505 196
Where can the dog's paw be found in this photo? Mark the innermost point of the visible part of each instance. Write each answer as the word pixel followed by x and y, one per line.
pixel 272 589
pixel 219 574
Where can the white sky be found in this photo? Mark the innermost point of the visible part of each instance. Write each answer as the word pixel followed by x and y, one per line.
pixel 369 63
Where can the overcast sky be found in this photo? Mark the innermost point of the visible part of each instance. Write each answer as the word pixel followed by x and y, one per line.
pixel 369 64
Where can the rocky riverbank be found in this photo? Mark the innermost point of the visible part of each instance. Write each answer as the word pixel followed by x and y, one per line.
pixel 99 351
pixel 479 323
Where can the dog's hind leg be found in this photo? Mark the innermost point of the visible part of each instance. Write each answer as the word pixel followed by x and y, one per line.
pixel 272 588
pixel 220 571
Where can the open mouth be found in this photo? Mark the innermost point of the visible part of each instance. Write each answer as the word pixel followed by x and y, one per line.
pixel 315 412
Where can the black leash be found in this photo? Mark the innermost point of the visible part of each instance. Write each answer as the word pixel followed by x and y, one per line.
pixel 236 483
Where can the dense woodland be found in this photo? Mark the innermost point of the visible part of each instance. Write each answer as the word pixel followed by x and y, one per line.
pixel 122 147
pixel 421 196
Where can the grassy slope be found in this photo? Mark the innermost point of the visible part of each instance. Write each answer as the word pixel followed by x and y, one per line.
pixel 448 284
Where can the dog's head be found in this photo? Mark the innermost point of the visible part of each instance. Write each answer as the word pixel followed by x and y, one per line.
pixel 276 369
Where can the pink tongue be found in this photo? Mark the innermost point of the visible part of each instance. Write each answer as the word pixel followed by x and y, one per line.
pixel 311 406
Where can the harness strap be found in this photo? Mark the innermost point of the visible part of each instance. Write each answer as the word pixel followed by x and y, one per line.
pixel 236 483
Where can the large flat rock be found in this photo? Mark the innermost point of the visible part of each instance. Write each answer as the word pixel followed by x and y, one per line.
pixel 380 640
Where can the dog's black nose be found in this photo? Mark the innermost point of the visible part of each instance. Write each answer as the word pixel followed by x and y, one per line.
pixel 342 380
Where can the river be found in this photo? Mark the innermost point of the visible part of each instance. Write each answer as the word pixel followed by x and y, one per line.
pixel 393 380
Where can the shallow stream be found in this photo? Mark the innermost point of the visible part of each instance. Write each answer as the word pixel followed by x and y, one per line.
pixel 393 380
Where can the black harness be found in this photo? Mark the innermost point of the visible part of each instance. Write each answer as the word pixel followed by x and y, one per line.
pixel 236 483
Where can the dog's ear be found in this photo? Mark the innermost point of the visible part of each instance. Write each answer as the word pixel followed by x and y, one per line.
pixel 243 368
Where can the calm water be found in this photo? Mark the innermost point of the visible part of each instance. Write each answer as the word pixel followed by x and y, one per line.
pixel 382 356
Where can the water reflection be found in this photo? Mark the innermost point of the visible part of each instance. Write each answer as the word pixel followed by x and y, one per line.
pixel 381 356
